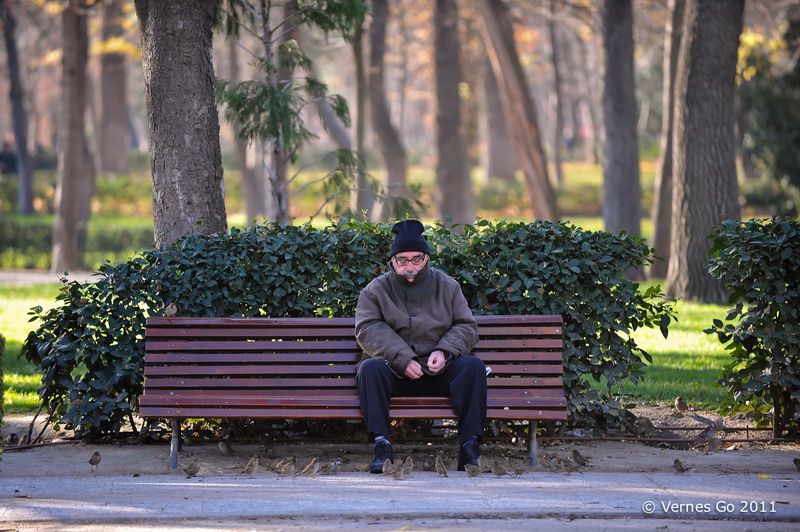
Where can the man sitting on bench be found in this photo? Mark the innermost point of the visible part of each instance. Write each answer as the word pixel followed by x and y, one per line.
pixel 416 330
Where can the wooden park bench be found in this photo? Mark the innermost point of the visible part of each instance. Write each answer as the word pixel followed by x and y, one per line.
pixel 290 368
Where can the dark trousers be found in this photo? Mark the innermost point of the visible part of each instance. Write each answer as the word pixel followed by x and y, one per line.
pixel 463 380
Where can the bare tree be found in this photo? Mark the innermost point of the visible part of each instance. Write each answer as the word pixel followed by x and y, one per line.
pixel 389 140
pixel 501 161
pixel 24 168
pixel 558 95
pixel 113 130
pixel 188 195
pixel 75 170
pixel 662 201
pixel 520 112
pixel 456 199
pixel 621 185
pixel 704 164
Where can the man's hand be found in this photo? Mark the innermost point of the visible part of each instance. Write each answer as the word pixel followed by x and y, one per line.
pixel 413 369
pixel 436 362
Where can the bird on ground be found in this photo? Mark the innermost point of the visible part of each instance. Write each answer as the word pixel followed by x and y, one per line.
pixel 797 463
pixel 544 461
pixel 484 464
pixel 568 465
pixel 287 469
pixel 192 469
pixel 332 466
pixel 251 467
pixel 225 448
pixel 498 469
pixel 408 466
pixel 387 467
pixel 95 460
pixel 473 470
pixel 678 466
pixel 680 405
pixel 170 310
pixel 578 458
pixel 13 438
pixel 439 466
pixel 310 468
pixel 518 468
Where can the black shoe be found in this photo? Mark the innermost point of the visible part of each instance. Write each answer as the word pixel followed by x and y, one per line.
pixel 383 452
pixel 468 454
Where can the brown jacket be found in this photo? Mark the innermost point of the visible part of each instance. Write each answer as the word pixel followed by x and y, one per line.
pixel 397 321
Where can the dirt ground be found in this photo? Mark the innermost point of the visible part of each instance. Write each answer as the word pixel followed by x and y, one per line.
pixel 61 456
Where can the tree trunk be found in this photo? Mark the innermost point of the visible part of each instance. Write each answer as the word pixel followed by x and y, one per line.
pixel 520 112
pixel 113 130
pixel 19 116
pixel 456 200
pixel 558 97
pixel 188 194
pixel 662 201
pixel 252 189
pixel 501 161
pixel 364 198
pixel 704 144
pixel 621 184
pixel 389 141
pixel 590 56
pixel 72 144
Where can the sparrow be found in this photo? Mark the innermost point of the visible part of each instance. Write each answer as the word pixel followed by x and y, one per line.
pixel 545 462
pixel 192 469
pixel 251 467
pixel 225 448
pixel 644 426
pixel 678 466
pixel 170 310
pixel 439 466
pixel 498 469
pixel 484 464
pixel 473 470
pixel 680 405
pixel 567 464
pixel 287 469
pixel 387 467
pixel 95 460
pixel 518 469
pixel 310 468
pixel 13 438
pixel 332 466
pixel 408 466
pixel 797 463
pixel 578 458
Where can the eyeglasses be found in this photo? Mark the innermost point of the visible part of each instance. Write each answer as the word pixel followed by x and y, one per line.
pixel 415 260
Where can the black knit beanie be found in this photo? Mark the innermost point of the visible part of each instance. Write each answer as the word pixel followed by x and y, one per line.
pixel 408 237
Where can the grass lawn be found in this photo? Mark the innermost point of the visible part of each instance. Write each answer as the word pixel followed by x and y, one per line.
pixel 687 363
pixel 22 382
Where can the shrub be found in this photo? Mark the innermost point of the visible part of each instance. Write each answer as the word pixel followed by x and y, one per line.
pixel 26 241
pixel 759 262
pixel 90 348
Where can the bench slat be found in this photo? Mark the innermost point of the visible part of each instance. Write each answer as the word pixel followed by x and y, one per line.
pixel 346 413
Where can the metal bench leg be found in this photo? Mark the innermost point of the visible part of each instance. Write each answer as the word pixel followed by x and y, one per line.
pixel 175 444
pixel 532 424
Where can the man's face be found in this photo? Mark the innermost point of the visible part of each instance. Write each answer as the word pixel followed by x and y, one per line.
pixel 409 263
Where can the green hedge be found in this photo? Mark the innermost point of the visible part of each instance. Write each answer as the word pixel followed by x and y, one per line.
pixel 759 262
pixel 90 348
pixel 26 241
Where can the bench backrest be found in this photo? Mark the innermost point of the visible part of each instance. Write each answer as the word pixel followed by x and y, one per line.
pixel 259 367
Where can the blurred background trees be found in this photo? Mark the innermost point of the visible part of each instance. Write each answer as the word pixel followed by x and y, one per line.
pixel 500 108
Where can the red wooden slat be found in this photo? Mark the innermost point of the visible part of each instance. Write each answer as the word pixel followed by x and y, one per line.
pixel 231 358
pixel 268 370
pixel 240 332
pixel 259 345
pixel 341 413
